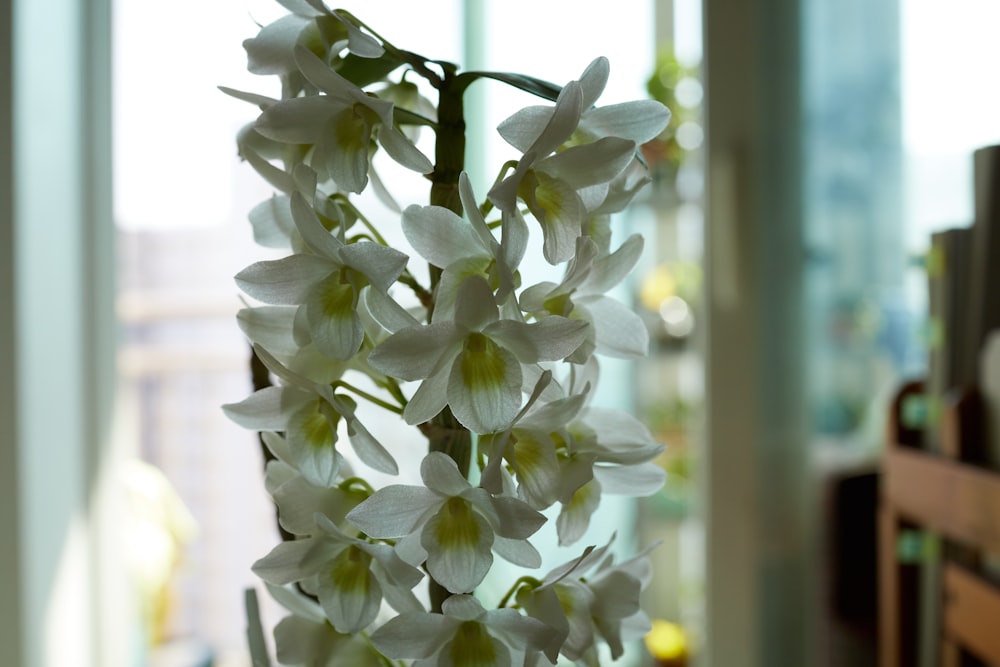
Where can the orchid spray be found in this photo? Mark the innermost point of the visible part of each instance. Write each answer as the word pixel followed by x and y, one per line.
pixel 495 376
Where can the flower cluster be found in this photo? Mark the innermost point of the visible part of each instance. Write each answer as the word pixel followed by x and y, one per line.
pixel 496 375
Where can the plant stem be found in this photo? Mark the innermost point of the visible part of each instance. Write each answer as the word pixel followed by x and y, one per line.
pixel 444 432
pixel 373 399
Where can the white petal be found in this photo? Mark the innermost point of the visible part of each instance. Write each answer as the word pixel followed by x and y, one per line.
pixel 400 598
pixel 618 331
pixel 623 439
pixel 514 240
pixel 395 570
pixel 384 310
pixel 317 460
pixel 440 473
pixel 475 306
pixel 416 352
pixel 298 120
pixel 276 473
pixel 463 607
pixel 298 640
pixel 307 8
pixel 608 271
pixel 440 236
pixel 471 208
pixel 269 326
pixel 278 446
pixel 564 119
pixel 360 43
pixel 393 511
pixel 283 282
pixel 536 469
pixel 379 263
pixel 410 551
pixel 403 151
pixel 458 542
pixel 320 75
pixel 594 79
pixel 576 600
pixel 518 629
pixel 369 450
pixel 484 387
pixel 270 52
pixel 555 414
pixel 590 164
pixel 268 409
pixel 349 592
pixel 312 230
pixel 298 502
pixel 561 213
pixel 275 176
pixel 517 519
pixel 413 635
pixel 429 399
pixel 262 101
pixel 452 278
pixel 644 479
pixel 290 561
pixel 334 325
pixel 616 595
pixel 639 120
pixel 292 600
pixel 575 515
pixel 523 128
pixel 544 605
pixel 341 151
pixel 518 552
pixel 551 339
pixel 272 222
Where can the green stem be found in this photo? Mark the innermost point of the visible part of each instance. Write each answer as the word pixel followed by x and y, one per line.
pixel 368 397
pixel 444 433
pixel 513 589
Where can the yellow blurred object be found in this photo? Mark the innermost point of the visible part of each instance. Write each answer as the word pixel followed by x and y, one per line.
pixel 657 286
pixel 667 643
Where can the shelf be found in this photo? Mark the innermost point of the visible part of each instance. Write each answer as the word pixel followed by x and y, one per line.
pixel 957 500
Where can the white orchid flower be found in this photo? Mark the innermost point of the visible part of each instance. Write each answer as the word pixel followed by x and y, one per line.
pixel 616 331
pixel 351 576
pixel 298 501
pixel 560 450
pixel 578 606
pixel 272 50
pixel 616 613
pixel 306 637
pixel 339 125
pixel 595 148
pixel 308 413
pixel 464 249
pixel 563 603
pixel 529 446
pixel 273 328
pixel 638 121
pixel 451 525
pixel 473 363
pixel 465 634
pixel 608 451
pixel 326 282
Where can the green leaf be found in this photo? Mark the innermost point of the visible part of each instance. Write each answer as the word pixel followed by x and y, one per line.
pixel 255 631
pixel 364 71
pixel 530 84
pixel 405 117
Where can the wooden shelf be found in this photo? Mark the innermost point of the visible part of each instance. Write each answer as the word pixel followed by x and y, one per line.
pixel 958 501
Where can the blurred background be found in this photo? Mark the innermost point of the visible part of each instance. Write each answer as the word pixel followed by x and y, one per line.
pixel 814 149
